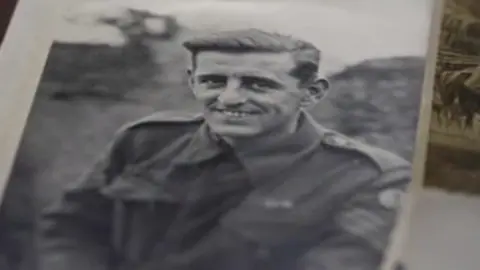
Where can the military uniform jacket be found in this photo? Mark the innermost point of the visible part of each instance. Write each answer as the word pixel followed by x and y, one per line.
pixel 320 201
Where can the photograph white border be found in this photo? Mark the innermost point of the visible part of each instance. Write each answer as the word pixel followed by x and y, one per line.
pixel 23 54
pixel 400 235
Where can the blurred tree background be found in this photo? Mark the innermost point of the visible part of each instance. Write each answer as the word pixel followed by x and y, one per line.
pixel 89 90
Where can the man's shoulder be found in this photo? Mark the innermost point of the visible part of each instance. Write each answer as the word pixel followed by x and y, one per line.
pixel 163 118
pixel 152 133
pixel 359 164
pixel 162 125
pixel 381 159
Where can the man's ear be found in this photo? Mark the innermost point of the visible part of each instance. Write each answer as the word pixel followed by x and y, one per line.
pixel 316 91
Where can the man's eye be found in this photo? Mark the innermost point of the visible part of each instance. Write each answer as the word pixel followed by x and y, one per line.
pixel 258 84
pixel 213 81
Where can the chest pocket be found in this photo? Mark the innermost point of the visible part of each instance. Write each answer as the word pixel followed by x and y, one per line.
pixel 146 204
pixel 143 210
pixel 269 222
pixel 296 213
pixel 278 228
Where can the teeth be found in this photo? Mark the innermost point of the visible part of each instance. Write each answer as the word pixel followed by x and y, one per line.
pixel 235 114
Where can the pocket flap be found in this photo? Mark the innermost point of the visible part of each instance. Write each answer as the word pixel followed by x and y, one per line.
pixel 136 187
pixel 266 225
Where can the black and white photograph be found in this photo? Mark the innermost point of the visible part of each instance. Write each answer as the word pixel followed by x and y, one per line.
pixel 219 135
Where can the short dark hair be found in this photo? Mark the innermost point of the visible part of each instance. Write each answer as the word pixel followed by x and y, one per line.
pixel 306 55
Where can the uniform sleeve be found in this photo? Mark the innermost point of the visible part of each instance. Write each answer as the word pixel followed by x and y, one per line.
pixel 361 232
pixel 74 234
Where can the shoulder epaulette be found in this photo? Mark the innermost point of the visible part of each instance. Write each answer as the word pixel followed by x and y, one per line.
pixel 383 159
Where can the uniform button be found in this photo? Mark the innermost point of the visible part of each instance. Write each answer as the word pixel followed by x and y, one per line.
pixel 336 140
pixel 391 198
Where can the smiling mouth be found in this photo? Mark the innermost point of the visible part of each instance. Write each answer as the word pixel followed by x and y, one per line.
pixel 234 113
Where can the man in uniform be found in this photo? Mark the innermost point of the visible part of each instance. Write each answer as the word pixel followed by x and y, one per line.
pixel 251 183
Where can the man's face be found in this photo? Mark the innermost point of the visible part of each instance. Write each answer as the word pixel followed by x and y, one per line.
pixel 246 94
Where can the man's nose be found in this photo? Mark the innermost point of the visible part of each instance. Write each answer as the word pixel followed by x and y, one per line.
pixel 233 94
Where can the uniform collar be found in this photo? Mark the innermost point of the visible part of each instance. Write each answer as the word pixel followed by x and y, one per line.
pixel 203 146
pixel 260 159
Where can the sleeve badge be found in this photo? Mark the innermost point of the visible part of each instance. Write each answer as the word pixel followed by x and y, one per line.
pixel 391 198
